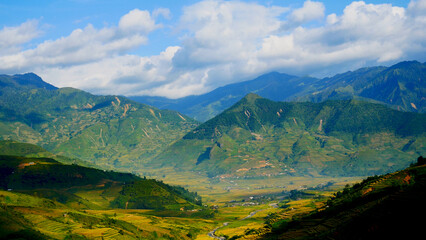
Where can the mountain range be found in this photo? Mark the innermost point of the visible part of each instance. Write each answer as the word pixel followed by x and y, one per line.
pixel 259 137
pixel 401 86
pixel 112 131
pixel 338 126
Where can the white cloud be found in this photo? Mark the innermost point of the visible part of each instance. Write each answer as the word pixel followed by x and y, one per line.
pixel 128 74
pixel 137 21
pixel 164 12
pixel 364 33
pixel 223 32
pixel 11 38
pixel 235 40
pixel 86 45
pixel 222 42
pixel 418 8
pixel 310 11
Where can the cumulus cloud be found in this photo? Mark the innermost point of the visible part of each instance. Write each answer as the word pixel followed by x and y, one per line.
pixel 309 12
pixel 232 41
pixel 127 74
pixel 221 32
pixel 221 42
pixel 137 21
pixel 222 39
pixel 363 33
pixel 11 38
pixel 84 45
pixel 164 12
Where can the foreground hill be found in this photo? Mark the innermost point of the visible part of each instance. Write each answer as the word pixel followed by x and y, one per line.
pixel 111 131
pixel 258 137
pixel 401 86
pixel 381 207
pixel 41 198
pixel 82 187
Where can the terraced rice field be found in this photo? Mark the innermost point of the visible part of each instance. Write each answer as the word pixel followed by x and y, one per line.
pixel 49 227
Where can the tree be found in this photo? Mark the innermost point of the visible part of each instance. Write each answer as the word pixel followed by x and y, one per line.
pixel 421 161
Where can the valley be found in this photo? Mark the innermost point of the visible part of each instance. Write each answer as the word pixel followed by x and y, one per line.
pixel 80 166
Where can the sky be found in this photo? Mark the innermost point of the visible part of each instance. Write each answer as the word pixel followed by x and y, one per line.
pixel 179 48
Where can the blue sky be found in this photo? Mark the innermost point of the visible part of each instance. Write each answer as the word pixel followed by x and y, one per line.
pixel 179 48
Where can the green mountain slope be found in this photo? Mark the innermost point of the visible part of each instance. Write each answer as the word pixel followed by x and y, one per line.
pixel 381 207
pixel 41 198
pixel 257 137
pixel 8 147
pixel 84 187
pixel 111 131
pixel 401 86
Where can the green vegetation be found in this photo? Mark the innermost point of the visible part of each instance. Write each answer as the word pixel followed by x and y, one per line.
pixel 109 131
pixel 386 206
pixel 46 199
pixel 8 147
pixel 257 160
pixel 258 138
pixel 152 194
pixel 70 184
pixel 23 217
pixel 21 173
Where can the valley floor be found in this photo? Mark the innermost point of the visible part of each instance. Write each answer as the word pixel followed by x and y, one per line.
pixel 234 208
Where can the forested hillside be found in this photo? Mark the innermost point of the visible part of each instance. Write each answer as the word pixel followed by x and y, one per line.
pixel 259 137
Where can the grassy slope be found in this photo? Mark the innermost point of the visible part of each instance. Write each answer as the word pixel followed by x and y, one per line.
pixel 389 206
pixel 89 188
pixel 261 137
pixel 8 147
pixel 50 200
pixel 28 217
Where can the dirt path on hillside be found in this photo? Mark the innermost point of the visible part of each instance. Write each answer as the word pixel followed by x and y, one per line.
pixel 212 233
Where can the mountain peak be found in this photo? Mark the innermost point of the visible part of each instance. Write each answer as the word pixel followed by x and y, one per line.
pixel 406 64
pixel 33 80
pixel 251 97
pixel 27 80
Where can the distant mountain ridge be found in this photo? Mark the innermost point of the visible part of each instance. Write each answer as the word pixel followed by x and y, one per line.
pixel 402 86
pixel 260 137
pixel 275 86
